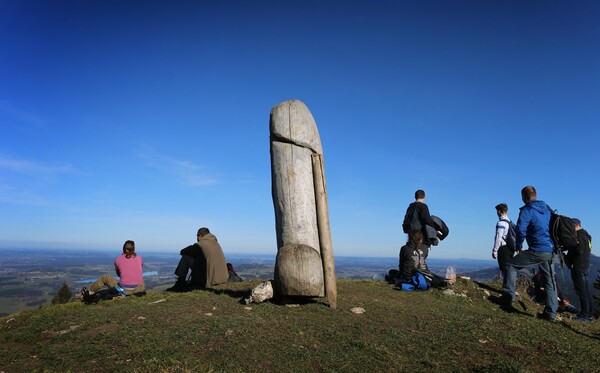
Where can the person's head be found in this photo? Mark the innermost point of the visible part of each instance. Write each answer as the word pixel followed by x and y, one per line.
pixel 577 223
pixel 420 194
pixel 230 267
pixel 415 236
pixel 129 249
pixel 528 194
pixel 501 209
pixel 202 232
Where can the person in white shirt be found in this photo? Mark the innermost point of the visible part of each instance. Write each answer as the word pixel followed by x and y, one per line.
pixel 501 251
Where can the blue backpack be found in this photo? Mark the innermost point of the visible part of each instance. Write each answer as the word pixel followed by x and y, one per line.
pixel 511 235
pixel 417 282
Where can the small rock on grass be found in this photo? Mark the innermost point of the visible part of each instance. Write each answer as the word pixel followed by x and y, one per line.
pixel 357 310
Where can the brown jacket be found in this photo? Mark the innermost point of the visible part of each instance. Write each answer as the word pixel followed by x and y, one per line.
pixel 216 267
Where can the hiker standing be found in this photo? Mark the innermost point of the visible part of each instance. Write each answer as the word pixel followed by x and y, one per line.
pixel 578 259
pixel 417 217
pixel 533 225
pixel 501 250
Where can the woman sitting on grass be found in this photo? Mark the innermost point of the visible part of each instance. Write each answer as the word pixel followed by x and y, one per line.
pixel 412 256
pixel 129 268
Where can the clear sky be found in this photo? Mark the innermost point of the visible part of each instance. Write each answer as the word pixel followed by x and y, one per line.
pixel 146 120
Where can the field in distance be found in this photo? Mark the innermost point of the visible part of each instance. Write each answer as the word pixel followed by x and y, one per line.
pixel 30 278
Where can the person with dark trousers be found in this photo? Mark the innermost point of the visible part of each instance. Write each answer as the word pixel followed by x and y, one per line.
pixel 501 251
pixel 206 261
pixel 533 225
pixel 578 259
pixel 417 217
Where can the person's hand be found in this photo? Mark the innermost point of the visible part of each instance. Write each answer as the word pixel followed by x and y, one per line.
pixel 494 255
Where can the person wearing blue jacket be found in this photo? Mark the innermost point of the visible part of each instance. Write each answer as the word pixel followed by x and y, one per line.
pixel 533 226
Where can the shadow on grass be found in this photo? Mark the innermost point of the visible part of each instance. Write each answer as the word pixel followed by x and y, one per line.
pixel 487 287
pixel 580 332
pixel 280 301
pixel 507 307
pixel 230 292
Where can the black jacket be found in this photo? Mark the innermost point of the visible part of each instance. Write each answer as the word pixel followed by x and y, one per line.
pixel 422 212
pixel 579 256
pixel 411 259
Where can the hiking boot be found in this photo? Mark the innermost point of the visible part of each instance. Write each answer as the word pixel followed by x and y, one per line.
pixel 547 317
pixel 581 318
pixel 570 308
pixel 179 287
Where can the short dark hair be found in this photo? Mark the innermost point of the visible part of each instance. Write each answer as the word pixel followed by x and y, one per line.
pixel 502 207
pixel 419 194
pixel 528 193
pixel 203 231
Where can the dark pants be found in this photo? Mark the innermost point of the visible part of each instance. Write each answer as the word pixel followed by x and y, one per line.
pixel 187 263
pixel 504 256
pixel 584 290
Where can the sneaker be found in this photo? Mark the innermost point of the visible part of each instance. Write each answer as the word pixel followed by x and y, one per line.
pixel 581 318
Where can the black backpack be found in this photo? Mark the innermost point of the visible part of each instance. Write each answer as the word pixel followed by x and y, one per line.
pixel 511 235
pixel 411 221
pixel 562 231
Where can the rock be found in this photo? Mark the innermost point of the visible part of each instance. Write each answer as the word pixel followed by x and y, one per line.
pixel 260 293
pixel 357 310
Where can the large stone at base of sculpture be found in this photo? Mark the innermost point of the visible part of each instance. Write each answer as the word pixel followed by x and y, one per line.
pixel 298 262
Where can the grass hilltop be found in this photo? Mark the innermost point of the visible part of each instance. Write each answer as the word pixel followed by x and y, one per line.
pixel 211 331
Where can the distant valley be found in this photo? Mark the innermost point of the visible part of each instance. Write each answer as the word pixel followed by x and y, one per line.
pixel 30 278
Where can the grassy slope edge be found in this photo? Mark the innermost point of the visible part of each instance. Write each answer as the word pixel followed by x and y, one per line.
pixel 212 331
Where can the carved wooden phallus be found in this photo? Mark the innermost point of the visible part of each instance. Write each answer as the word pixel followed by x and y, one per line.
pixel 304 265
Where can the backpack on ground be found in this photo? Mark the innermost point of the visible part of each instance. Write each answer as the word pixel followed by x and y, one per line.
pixel 418 282
pixel 411 221
pixel 433 280
pixel 511 235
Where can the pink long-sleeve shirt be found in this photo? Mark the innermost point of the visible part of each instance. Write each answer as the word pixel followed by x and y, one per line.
pixel 129 270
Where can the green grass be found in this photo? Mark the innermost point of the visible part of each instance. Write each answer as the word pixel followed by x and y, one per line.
pixel 212 332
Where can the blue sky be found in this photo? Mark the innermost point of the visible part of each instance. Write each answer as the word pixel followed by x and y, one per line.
pixel 145 120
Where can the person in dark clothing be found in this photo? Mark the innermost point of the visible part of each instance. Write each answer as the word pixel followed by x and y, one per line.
pixel 417 217
pixel 413 256
pixel 233 276
pixel 578 259
pixel 206 261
